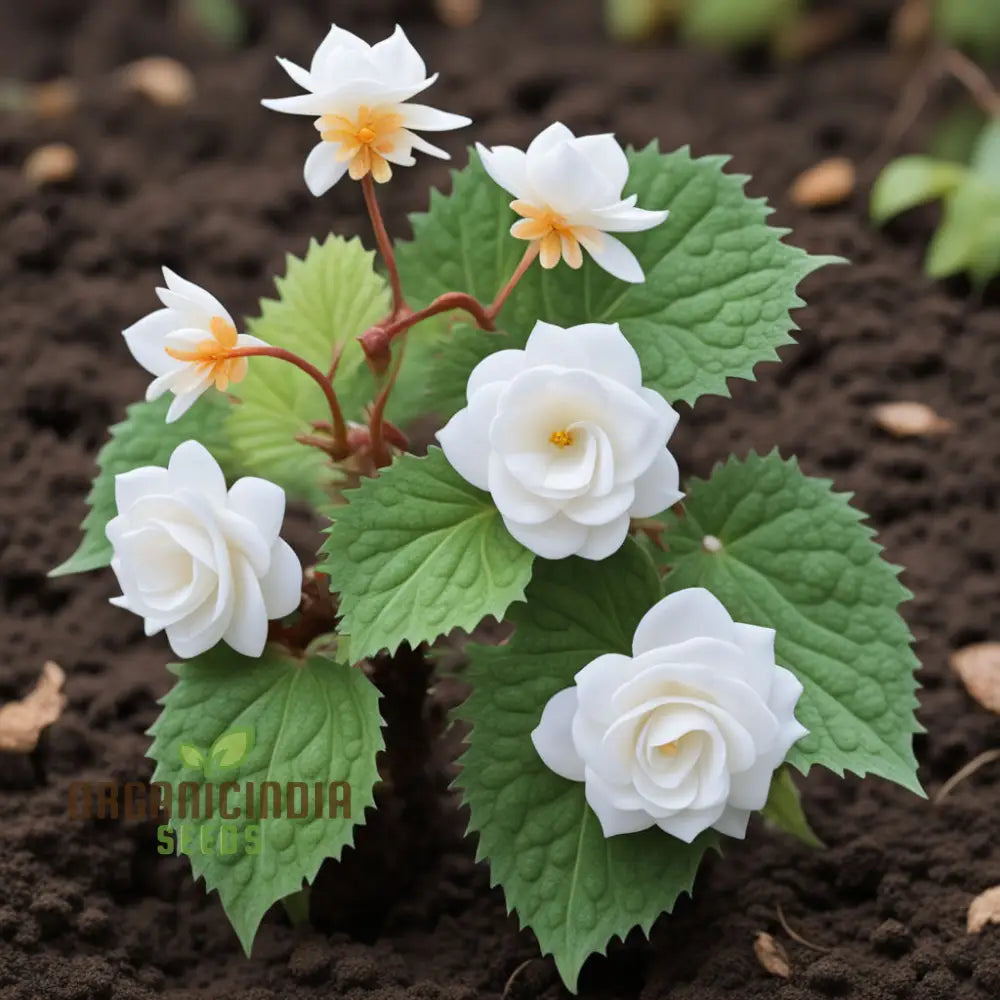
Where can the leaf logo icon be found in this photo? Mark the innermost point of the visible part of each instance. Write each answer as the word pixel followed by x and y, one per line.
pixel 229 751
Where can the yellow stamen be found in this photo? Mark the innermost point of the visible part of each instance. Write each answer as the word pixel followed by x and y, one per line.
pixel 557 239
pixel 364 141
pixel 211 356
pixel 561 439
pixel 670 749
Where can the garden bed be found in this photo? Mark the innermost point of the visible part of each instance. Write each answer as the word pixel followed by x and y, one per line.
pixel 214 189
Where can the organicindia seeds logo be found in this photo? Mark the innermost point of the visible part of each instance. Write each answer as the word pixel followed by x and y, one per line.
pixel 216 815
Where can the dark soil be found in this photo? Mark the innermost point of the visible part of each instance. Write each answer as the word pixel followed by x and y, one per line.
pixel 89 910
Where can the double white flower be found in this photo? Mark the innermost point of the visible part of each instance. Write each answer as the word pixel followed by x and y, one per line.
pixel 567 440
pixel 686 733
pixel 569 192
pixel 203 563
pixel 359 94
pixel 186 344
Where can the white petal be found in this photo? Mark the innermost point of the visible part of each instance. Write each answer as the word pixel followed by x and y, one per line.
pixel 297 73
pixel 616 259
pixel 598 511
pixel 656 489
pixel 501 366
pixel 189 639
pixel 247 630
pixel 261 502
pixel 507 167
pixel 184 402
pixel 733 822
pixel 692 613
pixel 750 788
pixel 146 338
pixel 604 540
pixel 322 169
pixel 427 119
pixel 196 295
pixel 607 157
pixel 555 539
pixel 513 500
pixel 553 736
pixel 420 143
pixel 613 821
pixel 567 181
pixel 624 218
pixel 465 438
pixel 686 825
pixel 313 105
pixel 600 679
pixel 281 587
pixel 138 483
pixel 193 468
pixel 398 59
pixel 546 140
pixel 597 347
pixel 336 42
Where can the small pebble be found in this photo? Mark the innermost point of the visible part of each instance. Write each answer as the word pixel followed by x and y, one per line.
pixel 55 163
pixel 162 80
pixel 55 98
pixel 830 182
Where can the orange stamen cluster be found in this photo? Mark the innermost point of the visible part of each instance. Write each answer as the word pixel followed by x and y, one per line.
pixel 556 238
pixel 364 142
pixel 211 356
pixel 561 439
pixel 670 749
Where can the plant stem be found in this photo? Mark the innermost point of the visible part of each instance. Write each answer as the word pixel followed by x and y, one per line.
pixel 297 907
pixel 526 261
pixel 376 423
pixel 384 244
pixel 340 449
pixel 974 79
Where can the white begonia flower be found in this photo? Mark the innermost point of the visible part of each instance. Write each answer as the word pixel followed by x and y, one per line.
pixel 686 733
pixel 567 439
pixel 359 94
pixel 203 563
pixel 569 192
pixel 186 344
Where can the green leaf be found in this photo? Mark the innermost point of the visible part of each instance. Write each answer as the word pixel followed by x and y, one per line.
pixel 783 809
pixel 794 557
pixel 911 181
pixel 954 137
pixel 970 24
pixel 326 300
pixel 447 378
pixel 573 887
pixel 418 552
pixel 232 748
pixel 313 722
pixel 191 756
pixel 635 20
pixel 986 155
pixel 737 24
pixel 971 215
pixel 719 280
pixel 221 20
pixel 144 438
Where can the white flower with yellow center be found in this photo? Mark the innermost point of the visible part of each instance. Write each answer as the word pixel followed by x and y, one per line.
pixel 569 192
pixel 186 345
pixel 359 94
pixel 567 440
pixel 684 734
pixel 201 562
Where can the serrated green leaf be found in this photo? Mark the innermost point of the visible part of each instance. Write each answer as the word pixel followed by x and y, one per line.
pixel 970 24
pixel 460 352
pixel 783 809
pixel 328 298
pixel 418 552
pixel 719 280
pixel 313 721
pixel 795 557
pixel 145 438
pixel 911 181
pixel 736 24
pixel 572 886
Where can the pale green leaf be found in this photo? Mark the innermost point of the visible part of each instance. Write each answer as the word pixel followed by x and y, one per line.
pixel 222 20
pixel 783 809
pixel 911 181
pixel 145 438
pixel 719 281
pixel 986 155
pixel 954 137
pixel 325 301
pixel 417 552
pixel 313 722
pixel 970 24
pixel 572 886
pixel 795 557
pixel 737 24
pixel 971 215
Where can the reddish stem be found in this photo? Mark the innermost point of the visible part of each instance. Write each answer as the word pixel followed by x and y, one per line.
pixel 384 244
pixel 376 422
pixel 340 449
pixel 526 261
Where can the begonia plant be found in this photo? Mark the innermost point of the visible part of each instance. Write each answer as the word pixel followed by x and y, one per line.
pixel 676 645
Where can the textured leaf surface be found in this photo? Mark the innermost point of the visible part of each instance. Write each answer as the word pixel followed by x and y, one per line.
pixel 719 281
pixel 327 299
pixel 312 721
pixel 573 887
pixel 783 809
pixel 796 558
pixel 418 552
pixel 144 438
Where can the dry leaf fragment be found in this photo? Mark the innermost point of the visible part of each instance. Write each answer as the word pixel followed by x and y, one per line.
pixel 56 98
pixel 807 36
pixel 458 13
pixel 911 26
pixel 51 164
pixel 978 668
pixel 21 722
pixel 910 420
pixel 772 955
pixel 829 182
pixel 162 80
pixel 983 910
